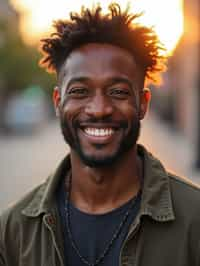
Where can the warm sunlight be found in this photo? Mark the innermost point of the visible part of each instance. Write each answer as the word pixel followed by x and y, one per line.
pixel 165 16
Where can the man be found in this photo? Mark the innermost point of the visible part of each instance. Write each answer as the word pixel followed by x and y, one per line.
pixel 110 202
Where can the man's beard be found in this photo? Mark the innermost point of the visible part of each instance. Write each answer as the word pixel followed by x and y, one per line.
pixel 127 142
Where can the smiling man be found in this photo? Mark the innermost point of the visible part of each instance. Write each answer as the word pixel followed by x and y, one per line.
pixel 110 202
pixel 100 107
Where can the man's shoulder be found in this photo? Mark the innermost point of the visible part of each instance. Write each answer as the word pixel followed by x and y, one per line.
pixel 39 199
pixel 184 185
pixel 14 211
pixel 185 194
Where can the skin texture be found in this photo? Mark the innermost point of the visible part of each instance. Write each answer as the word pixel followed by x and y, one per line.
pixel 101 88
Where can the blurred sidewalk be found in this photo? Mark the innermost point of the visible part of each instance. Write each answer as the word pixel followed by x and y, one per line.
pixel 171 148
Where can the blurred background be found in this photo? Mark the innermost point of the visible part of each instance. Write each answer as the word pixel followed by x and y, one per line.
pixel 31 144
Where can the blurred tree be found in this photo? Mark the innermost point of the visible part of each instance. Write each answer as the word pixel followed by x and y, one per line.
pixel 19 63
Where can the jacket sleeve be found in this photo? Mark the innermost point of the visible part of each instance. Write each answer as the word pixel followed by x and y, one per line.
pixel 2 258
pixel 195 240
pixel 198 254
pixel 2 261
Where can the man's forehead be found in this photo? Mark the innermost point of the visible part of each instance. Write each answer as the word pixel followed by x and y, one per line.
pixel 95 59
pixel 93 49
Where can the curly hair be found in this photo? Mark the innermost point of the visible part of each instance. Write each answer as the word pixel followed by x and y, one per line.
pixel 116 28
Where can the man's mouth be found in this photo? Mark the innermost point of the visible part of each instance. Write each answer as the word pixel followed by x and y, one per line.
pixel 99 132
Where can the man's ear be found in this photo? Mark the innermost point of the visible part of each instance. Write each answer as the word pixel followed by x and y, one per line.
pixel 145 99
pixel 56 100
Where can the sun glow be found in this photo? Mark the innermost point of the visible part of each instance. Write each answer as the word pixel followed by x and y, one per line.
pixel 165 16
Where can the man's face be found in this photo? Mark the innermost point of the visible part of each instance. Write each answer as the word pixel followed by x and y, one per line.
pixel 100 103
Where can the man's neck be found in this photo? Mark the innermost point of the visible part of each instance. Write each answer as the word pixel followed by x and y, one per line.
pixel 100 190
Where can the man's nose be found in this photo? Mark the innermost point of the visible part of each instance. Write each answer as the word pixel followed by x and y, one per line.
pixel 99 106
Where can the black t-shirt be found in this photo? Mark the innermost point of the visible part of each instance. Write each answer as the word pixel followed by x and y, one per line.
pixel 92 233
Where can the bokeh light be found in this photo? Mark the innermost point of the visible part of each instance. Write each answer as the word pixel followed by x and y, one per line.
pixel 165 16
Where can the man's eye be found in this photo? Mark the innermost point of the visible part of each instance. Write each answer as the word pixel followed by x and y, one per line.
pixel 77 91
pixel 120 93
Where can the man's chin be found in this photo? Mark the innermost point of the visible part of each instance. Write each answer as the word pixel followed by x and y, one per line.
pixel 97 162
pixel 101 158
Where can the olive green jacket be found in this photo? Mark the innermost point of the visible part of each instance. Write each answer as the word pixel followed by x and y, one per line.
pixel 166 231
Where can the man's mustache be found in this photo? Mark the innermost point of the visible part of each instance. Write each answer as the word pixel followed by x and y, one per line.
pixel 107 121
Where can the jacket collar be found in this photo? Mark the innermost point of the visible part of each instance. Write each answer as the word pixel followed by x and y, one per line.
pixel 156 196
pixel 44 198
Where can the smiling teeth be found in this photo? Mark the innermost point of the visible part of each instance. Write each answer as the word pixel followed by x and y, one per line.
pixel 99 132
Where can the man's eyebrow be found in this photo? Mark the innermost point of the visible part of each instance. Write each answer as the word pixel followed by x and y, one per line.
pixel 115 80
pixel 77 79
pixel 111 81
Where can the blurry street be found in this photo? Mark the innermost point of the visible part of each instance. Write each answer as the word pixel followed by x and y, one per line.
pixel 26 161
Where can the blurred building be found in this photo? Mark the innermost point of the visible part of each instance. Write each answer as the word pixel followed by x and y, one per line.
pixel 6 11
pixel 178 102
pixel 9 20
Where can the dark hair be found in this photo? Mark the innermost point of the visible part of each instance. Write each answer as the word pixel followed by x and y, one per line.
pixel 116 28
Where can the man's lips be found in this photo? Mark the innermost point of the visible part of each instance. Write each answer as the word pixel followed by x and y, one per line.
pixel 100 132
